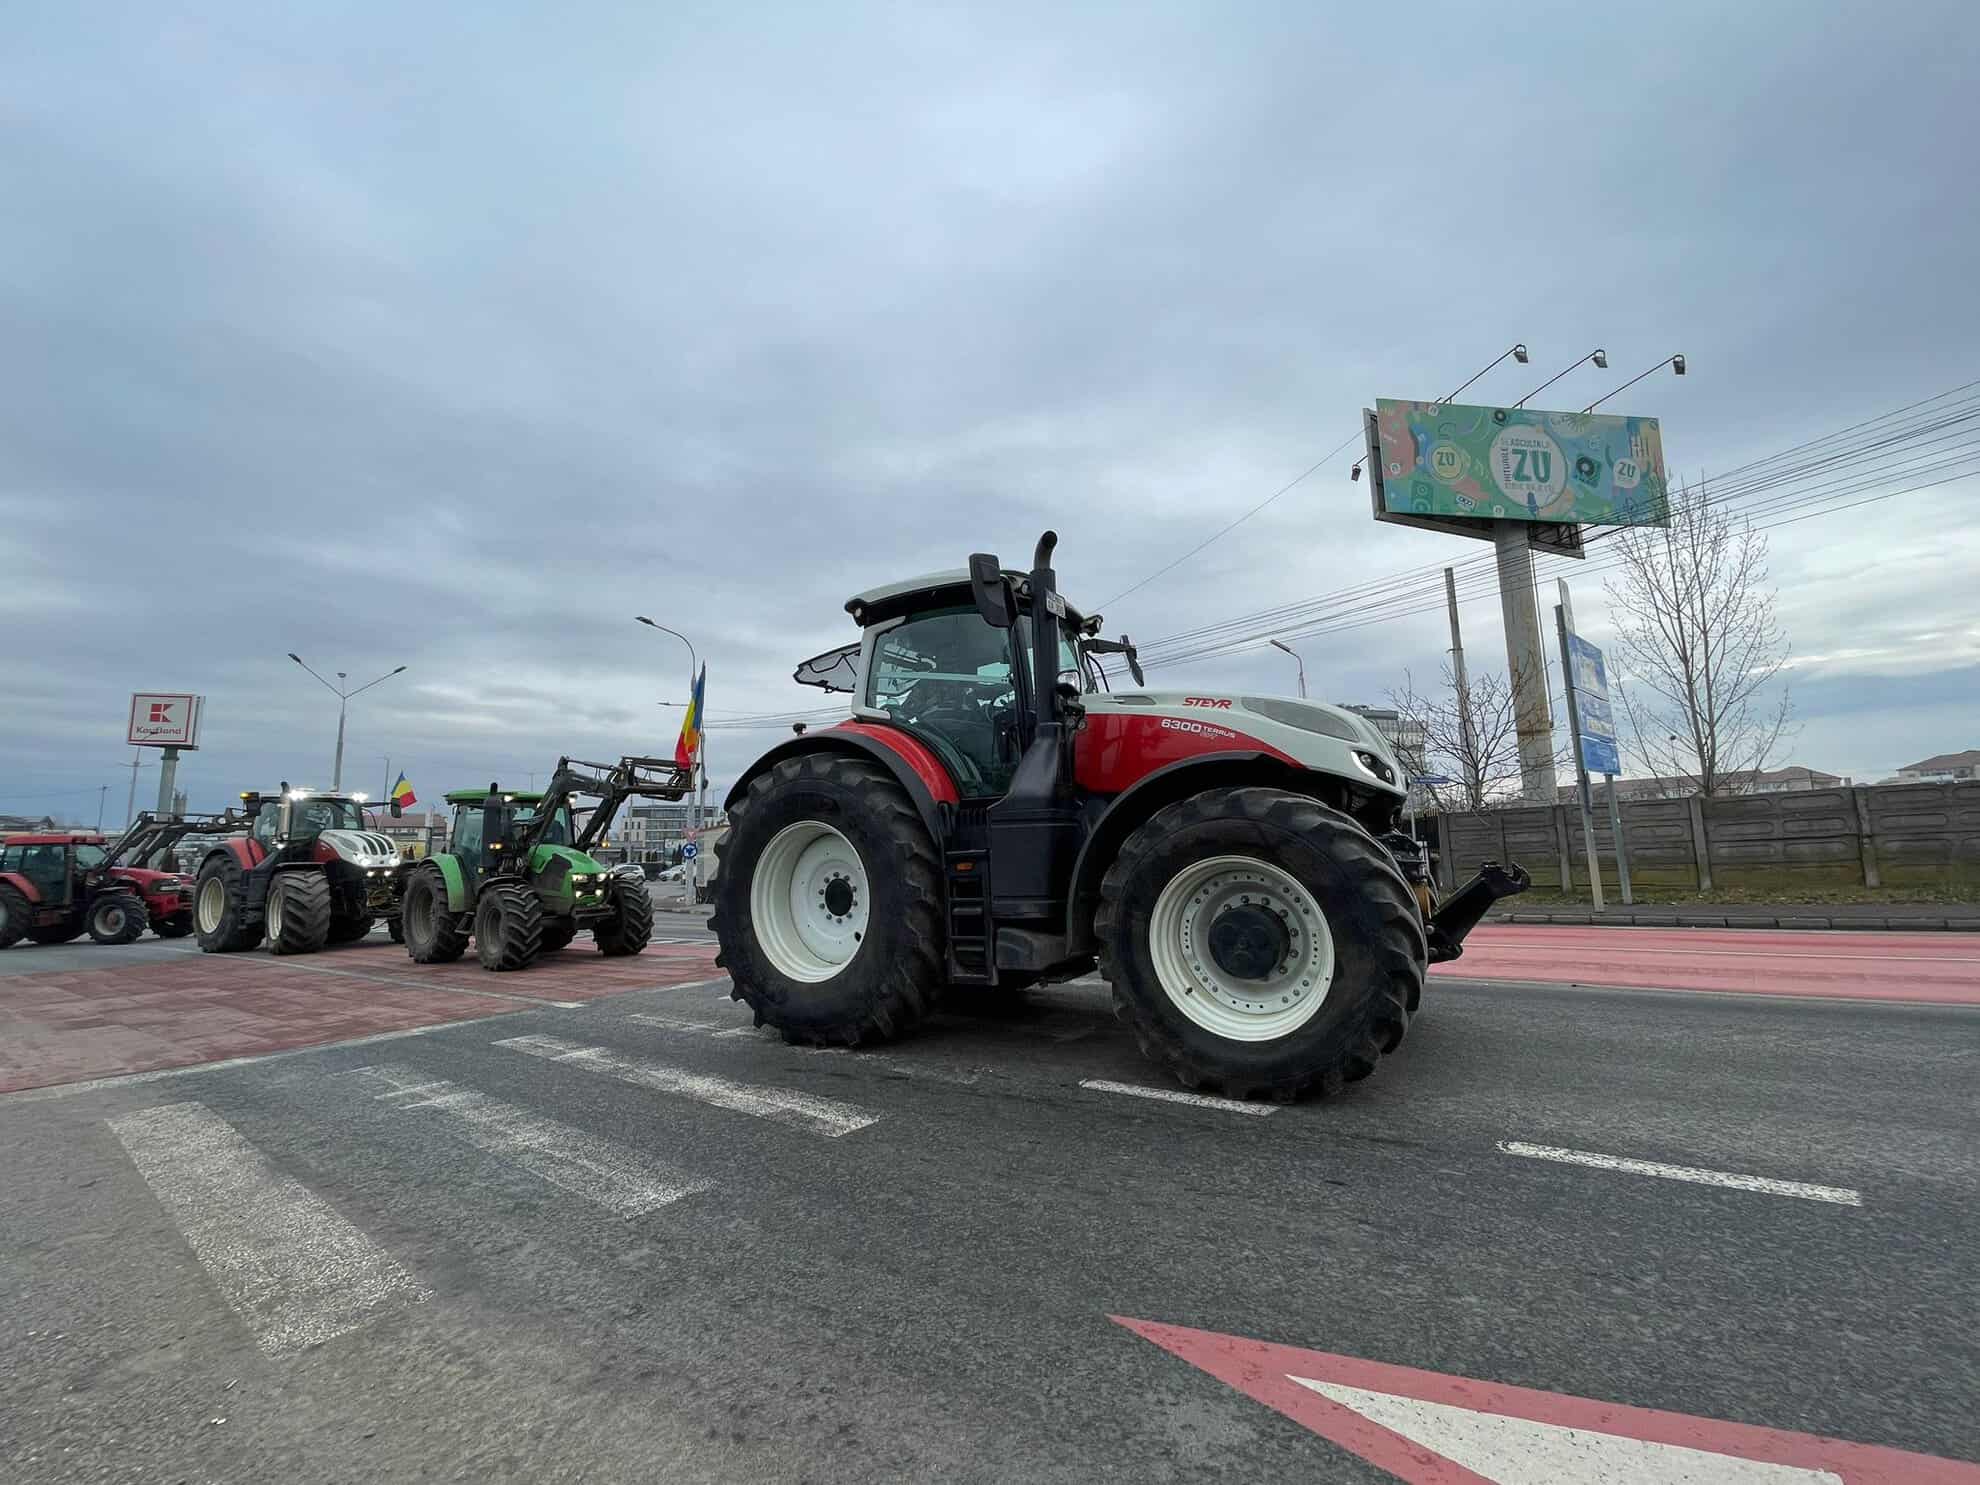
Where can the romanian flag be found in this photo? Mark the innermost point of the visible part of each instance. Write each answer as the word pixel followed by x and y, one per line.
pixel 402 793
pixel 689 746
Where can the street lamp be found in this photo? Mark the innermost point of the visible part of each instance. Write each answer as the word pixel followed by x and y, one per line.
pixel 688 878
pixel 1280 645
pixel 1518 353
pixel 343 696
pixel 1676 363
pixel 1599 356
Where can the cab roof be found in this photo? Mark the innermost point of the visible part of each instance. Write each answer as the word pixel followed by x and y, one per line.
pixel 933 590
pixel 511 796
pixel 54 838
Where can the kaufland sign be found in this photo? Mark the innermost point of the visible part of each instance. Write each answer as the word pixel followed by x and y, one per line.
pixel 165 719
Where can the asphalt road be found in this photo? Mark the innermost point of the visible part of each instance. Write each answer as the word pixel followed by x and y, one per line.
pixel 637 1240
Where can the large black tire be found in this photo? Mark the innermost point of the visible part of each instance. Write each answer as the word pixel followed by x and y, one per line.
pixel 432 934
pixel 217 897
pixel 395 928
pixel 299 911
pixel 631 924
pixel 176 926
pixel 890 981
pixel 116 918
pixel 557 934
pixel 350 930
pixel 1378 945
pixel 508 925
pixel 16 912
pixel 61 933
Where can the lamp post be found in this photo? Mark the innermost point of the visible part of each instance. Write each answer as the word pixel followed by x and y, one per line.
pixel 1280 645
pixel 1599 356
pixel 1517 352
pixel 343 696
pixel 692 875
pixel 1676 363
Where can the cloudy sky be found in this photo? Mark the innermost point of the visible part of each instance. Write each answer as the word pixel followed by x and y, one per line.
pixel 454 336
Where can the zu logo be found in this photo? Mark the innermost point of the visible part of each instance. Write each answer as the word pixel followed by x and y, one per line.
pixel 1223 703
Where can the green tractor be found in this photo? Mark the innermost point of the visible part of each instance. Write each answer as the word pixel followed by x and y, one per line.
pixel 518 875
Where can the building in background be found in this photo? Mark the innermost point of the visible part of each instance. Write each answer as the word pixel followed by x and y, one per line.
pixel 420 833
pixel 1793 779
pixel 654 831
pixel 1941 768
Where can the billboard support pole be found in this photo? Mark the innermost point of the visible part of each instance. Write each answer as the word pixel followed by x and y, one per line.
pixel 1527 661
pixel 1622 846
pixel 1580 773
pixel 168 774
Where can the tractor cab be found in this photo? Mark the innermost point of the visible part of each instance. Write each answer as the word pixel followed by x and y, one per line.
pixel 58 866
pixel 292 816
pixel 491 822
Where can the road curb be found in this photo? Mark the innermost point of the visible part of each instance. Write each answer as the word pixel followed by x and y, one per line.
pixel 1673 918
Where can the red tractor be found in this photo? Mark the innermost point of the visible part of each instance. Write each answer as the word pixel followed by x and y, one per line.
pixel 991 815
pixel 144 856
pixel 308 872
pixel 58 884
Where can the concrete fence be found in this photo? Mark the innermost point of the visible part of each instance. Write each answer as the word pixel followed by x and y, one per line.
pixel 1892 835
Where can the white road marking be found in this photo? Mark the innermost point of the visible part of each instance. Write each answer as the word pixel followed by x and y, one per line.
pixel 572 1159
pixel 809 1112
pixel 125 1080
pixel 1174 1095
pixel 295 1271
pixel 677 1023
pixel 1806 1191
pixel 1519 1451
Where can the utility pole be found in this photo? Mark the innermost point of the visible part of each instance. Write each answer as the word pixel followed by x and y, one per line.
pixel 1473 784
pixel 130 804
pixel 1534 721
pixel 102 793
pixel 1281 645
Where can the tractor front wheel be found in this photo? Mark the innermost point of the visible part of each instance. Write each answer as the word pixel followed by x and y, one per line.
pixel 1260 944
pixel 16 913
pixel 508 926
pixel 299 910
pixel 431 932
pixel 828 902
pixel 116 918
pixel 217 908
pixel 631 923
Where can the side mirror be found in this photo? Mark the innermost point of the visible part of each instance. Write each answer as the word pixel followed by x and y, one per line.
pixel 397 809
pixel 987 587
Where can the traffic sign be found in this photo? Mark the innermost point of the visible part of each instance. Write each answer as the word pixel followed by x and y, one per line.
pixel 1432 779
pixel 1432 1428
pixel 690 851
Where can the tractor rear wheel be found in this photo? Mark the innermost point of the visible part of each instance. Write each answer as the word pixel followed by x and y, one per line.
pixel 631 923
pixel 431 932
pixel 16 913
pixel 298 912
pixel 217 908
pixel 1260 944
pixel 828 902
pixel 508 926
pixel 115 918
pixel 350 930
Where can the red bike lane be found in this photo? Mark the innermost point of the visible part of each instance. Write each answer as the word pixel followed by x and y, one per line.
pixel 1920 968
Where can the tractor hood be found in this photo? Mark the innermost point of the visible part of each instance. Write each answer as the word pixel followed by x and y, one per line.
pixel 1329 739
pixel 579 863
pixel 364 848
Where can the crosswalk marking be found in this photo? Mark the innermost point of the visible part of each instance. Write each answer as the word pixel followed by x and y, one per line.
pixel 1176 1095
pixel 295 1271
pixel 828 1117
pixel 572 1159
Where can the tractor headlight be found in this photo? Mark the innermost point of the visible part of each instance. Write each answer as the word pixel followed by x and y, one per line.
pixel 1299 714
pixel 1374 767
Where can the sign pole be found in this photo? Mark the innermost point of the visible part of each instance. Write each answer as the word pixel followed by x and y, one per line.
pixel 1580 772
pixel 1526 655
pixel 168 773
pixel 1622 846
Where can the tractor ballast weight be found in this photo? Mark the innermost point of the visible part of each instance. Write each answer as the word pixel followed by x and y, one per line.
pixel 993 814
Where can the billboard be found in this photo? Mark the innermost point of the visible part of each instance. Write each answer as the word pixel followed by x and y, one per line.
pixel 165 719
pixel 1590 678
pixel 1465 463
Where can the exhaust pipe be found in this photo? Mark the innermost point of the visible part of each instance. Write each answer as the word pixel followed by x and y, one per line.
pixel 1459 913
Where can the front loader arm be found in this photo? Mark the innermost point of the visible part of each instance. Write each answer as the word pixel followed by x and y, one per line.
pixel 611 784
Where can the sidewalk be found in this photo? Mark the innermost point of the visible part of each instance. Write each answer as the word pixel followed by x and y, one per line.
pixel 1879 917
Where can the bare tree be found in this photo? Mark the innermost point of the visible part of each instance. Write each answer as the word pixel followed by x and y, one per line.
pixel 1474 741
pixel 1699 651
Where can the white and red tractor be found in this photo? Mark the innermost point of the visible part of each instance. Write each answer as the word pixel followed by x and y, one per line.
pixel 990 815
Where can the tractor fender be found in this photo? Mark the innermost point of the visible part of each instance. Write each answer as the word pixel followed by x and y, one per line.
pixel 1129 809
pixel 459 899
pixel 21 885
pixel 912 763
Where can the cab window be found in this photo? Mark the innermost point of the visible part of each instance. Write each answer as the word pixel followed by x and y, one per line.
pixel 90 856
pixel 946 677
pixel 467 831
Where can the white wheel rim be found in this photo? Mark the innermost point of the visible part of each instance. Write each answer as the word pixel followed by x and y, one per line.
pixel 806 872
pixel 1242 1010
pixel 112 920
pixel 274 910
pixel 212 902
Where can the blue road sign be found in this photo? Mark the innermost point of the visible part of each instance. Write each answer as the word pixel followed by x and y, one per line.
pixel 1590 678
pixel 690 851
